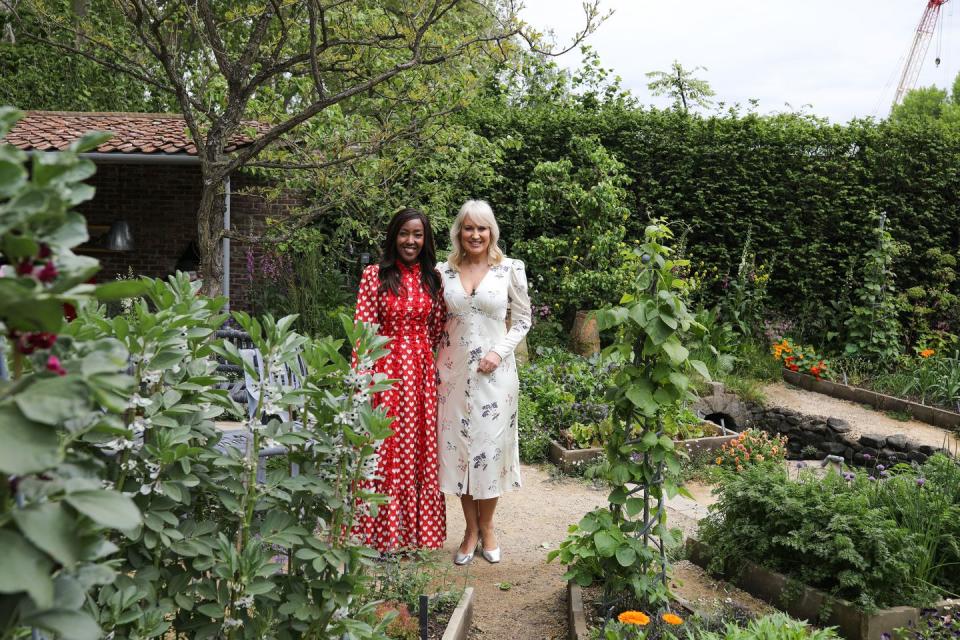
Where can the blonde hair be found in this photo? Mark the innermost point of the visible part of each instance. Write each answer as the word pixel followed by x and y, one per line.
pixel 481 213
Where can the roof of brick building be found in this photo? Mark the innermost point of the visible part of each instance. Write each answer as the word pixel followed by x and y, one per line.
pixel 151 133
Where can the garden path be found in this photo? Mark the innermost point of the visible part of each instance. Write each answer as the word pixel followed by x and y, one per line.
pixel 862 420
pixel 531 522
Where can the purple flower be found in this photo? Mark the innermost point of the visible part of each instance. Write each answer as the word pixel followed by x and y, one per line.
pixel 867 456
pixel 921 482
pixel 885 636
pixel 871 479
pixel 848 476
pixel 880 467
pixel 884 474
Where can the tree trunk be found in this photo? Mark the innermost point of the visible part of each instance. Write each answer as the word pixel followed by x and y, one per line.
pixel 209 232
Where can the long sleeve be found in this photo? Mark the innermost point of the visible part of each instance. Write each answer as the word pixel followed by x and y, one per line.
pixel 438 318
pixel 367 309
pixel 519 301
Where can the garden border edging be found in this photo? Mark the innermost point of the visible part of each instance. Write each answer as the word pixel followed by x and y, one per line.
pixel 458 627
pixel 576 617
pixel 567 459
pixel 922 412
pixel 808 603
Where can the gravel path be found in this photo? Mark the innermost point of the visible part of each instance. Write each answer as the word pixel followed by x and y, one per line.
pixel 862 420
pixel 531 522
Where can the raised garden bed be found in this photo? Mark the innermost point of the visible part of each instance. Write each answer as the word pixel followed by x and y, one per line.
pixel 568 459
pixel 924 413
pixel 814 605
pixel 458 627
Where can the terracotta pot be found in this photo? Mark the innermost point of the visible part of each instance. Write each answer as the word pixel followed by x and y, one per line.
pixel 585 336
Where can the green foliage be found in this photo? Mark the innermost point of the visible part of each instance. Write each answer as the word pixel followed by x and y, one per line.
pixel 239 559
pixel 681 85
pixel 305 284
pixel 559 389
pixel 652 369
pixel 576 208
pixel 56 508
pixel 930 103
pixel 933 626
pixel 776 626
pixel 36 78
pixel 872 329
pixel 877 541
pixel 803 186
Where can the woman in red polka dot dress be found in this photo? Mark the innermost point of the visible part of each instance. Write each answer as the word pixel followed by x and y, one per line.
pixel 404 295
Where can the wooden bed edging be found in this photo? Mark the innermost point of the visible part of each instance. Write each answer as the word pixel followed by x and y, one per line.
pixel 924 413
pixel 808 603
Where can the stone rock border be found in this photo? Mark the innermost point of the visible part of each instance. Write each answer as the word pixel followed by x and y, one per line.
pixel 807 603
pixel 924 413
pixel 568 459
pixel 458 628
pixel 814 437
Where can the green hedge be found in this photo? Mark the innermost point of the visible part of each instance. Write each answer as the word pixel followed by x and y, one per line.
pixel 804 187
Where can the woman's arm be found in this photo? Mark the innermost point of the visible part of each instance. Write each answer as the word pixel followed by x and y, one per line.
pixel 519 301
pixel 367 309
pixel 438 318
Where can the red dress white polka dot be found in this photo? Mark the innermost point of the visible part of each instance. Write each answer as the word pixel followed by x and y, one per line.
pixel 415 516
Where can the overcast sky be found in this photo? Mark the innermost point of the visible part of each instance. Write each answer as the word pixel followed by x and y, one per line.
pixel 843 58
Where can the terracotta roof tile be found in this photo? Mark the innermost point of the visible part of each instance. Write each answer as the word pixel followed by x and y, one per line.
pixel 151 133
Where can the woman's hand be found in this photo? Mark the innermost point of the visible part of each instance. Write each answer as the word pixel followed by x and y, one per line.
pixel 489 363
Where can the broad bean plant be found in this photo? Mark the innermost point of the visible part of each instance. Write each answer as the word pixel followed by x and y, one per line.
pixel 219 554
pixel 58 508
pixel 625 544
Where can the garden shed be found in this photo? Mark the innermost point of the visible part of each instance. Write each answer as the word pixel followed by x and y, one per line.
pixel 143 217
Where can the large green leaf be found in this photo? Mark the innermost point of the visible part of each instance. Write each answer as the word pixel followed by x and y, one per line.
pixel 24 568
pixel 27 446
pixel 54 400
pixel 120 289
pixel 677 352
pixel 66 623
pixel 605 543
pixel 640 394
pixel 626 556
pixel 51 528
pixel 108 508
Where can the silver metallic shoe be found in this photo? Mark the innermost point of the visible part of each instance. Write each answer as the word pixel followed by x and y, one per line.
pixel 461 559
pixel 492 556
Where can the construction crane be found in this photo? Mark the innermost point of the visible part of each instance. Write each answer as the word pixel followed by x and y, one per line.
pixel 918 50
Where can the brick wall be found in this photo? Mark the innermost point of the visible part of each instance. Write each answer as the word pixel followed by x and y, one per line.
pixel 160 203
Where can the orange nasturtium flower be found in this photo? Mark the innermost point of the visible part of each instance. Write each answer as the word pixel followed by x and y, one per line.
pixel 926 353
pixel 719 460
pixel 634 617
pixel 671 618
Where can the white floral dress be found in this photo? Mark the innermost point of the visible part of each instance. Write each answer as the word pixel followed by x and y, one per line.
pixel 477 412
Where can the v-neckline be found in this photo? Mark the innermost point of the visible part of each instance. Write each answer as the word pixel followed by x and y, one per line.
pixel 476 286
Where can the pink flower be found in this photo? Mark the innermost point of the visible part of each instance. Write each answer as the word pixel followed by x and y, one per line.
pixel 53 364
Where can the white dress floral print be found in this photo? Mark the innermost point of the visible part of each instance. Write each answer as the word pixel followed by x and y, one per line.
pixel 477 412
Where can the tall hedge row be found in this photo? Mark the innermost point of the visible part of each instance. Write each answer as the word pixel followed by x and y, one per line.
pixel 804 188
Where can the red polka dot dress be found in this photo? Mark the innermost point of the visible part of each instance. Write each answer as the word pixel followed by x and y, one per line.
pixel 415 516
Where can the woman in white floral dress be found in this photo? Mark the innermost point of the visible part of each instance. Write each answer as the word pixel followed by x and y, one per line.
pixel 479 388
